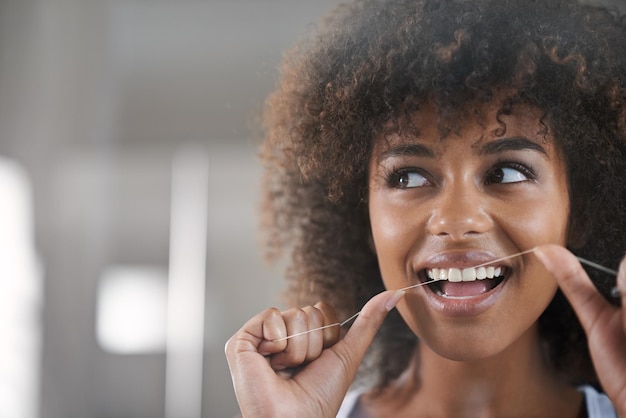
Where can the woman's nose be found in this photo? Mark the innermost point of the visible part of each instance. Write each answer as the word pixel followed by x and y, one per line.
pixel 459 211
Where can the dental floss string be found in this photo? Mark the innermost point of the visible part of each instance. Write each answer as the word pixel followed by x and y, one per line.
pixel 341 324
pixel 505 258
pixel 615 291
pixel 597 266
pixel 336 324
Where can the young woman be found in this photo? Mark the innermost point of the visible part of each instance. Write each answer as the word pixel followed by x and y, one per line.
pixel 426 141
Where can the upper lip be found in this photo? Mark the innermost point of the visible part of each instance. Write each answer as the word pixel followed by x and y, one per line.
pixel 459 259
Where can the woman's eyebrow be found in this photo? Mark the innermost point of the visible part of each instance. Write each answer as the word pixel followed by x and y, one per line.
pixel 515 143
pixel 416 150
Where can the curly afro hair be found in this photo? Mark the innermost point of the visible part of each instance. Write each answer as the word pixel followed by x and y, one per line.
pixel 372 61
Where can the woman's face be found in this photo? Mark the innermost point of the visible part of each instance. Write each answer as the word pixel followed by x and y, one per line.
pixel 441 206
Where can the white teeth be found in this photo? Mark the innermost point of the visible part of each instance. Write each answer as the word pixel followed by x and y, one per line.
pixel 454 275
pixel 465 275
pixel 469 275
pixel 481 273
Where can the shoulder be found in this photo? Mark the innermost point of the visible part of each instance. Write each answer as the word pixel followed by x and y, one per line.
pixel 598 404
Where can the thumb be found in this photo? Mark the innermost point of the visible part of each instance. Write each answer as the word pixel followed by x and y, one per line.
pixel 344 357
pixel 587 302
pixel 353 346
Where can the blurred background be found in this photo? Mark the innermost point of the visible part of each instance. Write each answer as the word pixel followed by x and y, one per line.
pixel 129 187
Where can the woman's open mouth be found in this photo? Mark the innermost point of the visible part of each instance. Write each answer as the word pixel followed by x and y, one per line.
pixel 464 283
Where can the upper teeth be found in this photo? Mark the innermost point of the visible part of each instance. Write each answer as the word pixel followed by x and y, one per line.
pixel 465 275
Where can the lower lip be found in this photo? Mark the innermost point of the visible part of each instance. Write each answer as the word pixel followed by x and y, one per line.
pixel 465 306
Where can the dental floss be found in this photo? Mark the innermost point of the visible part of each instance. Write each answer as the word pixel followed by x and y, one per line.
pixel 615 291
pixel 341 324
pixel 597 266
pixel 336 324
pixel 505 258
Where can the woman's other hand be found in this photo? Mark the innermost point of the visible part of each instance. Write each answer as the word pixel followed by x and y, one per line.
pixel 307 375
pixel 604 323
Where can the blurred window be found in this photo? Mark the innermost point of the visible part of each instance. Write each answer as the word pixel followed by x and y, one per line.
pixel 20 296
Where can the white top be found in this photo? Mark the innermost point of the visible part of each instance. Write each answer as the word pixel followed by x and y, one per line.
pixel 598 404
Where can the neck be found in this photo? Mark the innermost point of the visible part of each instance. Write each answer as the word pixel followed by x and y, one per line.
pixel 515 382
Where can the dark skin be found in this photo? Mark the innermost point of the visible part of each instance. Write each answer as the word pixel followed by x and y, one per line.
pixel 455 202
pixel 318 389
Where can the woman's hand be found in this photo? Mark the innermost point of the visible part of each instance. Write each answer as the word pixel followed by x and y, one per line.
pixel 604 323
pixel 307 375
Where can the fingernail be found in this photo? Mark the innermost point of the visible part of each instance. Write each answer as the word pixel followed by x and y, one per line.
pixel 541 255
pixel 544 259
pixel 394 299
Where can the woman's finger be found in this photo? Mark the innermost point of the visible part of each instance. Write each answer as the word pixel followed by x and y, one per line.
pixel 336 367
pixel 587 302
pixel 331 334
pixel 296 322
pixel 316 340
pixel 603 323
pixel 268 328
pixel 346 355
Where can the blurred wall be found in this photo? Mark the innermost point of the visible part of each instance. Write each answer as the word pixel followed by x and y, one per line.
pixel 96 96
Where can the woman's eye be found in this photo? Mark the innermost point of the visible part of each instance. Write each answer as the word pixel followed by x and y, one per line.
pixel 507 175
pixel 410 179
